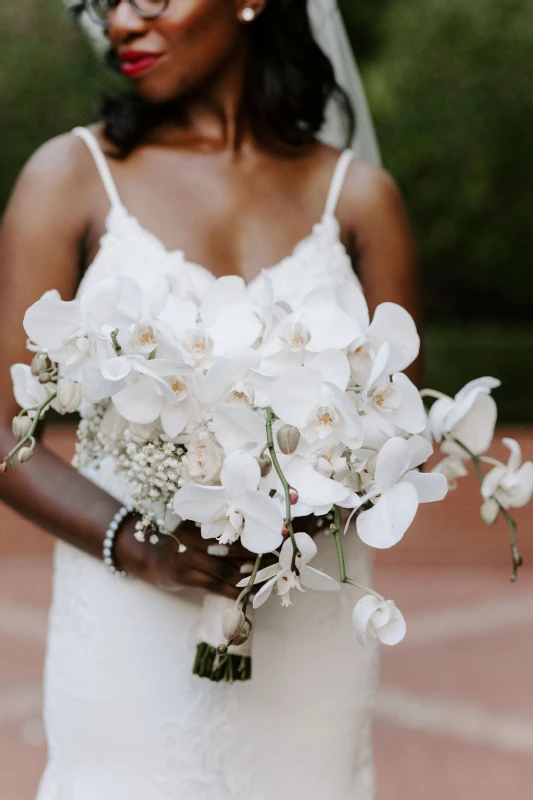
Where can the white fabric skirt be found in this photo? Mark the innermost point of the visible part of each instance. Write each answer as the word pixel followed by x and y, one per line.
pixel 126 719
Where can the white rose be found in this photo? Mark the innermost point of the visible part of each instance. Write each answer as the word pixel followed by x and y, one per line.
pixel 204 459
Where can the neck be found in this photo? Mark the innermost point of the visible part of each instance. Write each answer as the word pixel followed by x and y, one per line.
pixel 215 115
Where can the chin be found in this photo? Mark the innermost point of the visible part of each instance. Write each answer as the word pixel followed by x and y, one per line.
pixel 159 92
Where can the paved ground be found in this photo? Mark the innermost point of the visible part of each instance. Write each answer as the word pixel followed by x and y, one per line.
pixel 455 711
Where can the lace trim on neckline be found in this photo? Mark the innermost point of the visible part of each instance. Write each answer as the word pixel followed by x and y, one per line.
pixel 120 222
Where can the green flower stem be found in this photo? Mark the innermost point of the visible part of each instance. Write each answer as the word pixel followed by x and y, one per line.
pixel 114 341
pixel 342 561
pixel 515 554
pixel 31 433
pixel 286 488
pixel 249 589
pixel 338 544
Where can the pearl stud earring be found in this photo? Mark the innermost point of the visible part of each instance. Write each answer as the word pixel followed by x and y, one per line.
pixel 248 14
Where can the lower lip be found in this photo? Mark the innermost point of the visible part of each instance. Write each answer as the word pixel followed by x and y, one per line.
pixel 132 69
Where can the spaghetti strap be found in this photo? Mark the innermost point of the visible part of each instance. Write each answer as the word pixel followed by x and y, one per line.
pixel 337 182
pixel 101 164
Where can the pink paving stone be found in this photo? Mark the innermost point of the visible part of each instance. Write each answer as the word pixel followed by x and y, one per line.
pixel 26 579
pixel 416 766
pixel 493 670
pixel 421 590
pixel 21 764
pixel 21 663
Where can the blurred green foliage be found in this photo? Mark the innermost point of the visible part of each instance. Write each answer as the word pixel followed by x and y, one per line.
pixel 451 87
pixel 452 93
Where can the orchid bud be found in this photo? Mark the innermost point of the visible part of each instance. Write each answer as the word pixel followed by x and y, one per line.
pixel 3 467
pixel 39 364
pixel 489 511
pixel 241 637
pixel 265 465
pixel 285 532
pixel 21 427
pixel 25 454
pixel 68 396
pixel 45 377
pixel 232 621
pixel 222 649
pixel 293 496
pixel 288 439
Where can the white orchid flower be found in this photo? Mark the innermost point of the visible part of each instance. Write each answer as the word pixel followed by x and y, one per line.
pixel 28 392
pixel 236 509
pixel 285 580
pixel 235 379
pixel 196 347
pixel 76 330
pixel 380 618
pixel 330 317
pixel 314 400
pixel 229 315
pixel 395 403
pixel 151 390
pixel 511 485
pixel 397 491
pixel 470 417
pixel 395 326
pixel 237 427
pixel 316 472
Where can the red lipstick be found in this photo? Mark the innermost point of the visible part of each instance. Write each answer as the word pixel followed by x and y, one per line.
pixel 136 62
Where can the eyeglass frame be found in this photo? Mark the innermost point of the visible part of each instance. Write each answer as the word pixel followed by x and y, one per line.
pixel 89 9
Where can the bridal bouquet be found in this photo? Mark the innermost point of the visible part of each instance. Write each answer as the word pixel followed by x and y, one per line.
pixel 242 412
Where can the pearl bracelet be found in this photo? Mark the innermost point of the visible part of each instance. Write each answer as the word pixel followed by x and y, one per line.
pixel 109 541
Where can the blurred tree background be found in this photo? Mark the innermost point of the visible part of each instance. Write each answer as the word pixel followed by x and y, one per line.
pixel 451 87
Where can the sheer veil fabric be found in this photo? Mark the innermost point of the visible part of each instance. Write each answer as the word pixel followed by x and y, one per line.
pixel 330 33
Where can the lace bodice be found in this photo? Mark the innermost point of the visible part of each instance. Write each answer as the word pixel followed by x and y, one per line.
pixel 128 248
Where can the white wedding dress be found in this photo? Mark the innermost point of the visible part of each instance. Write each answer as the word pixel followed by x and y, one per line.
pixel 125 718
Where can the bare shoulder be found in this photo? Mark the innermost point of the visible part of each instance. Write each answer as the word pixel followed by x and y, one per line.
pixel 369 191
pixel 59 161
pixel 57 182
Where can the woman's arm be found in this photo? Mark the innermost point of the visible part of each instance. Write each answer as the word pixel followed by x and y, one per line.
pixel 384 244
pixel 40 249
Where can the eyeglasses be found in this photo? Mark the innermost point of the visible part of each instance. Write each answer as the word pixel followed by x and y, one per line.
pixel 99 10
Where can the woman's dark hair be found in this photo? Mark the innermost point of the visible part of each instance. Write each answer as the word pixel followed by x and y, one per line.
pixel 290 83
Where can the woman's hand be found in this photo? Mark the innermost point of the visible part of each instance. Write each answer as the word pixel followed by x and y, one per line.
pixel 166 568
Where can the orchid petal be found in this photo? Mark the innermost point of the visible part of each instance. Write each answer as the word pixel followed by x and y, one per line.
pixel 362 614
pixel 237 427
pixel 295 394
pixel 226 291
pixel 393 461
pixel 265 591
pixel 410 415
pixel 330 327
pixel 139 401
pixel 430 486
pixel 385 525
pixel 200 503
pixel 394 324
pixel 174 418
pixel 314 579
pixel 240 473
pixel 263 523
pixel 307 550
pixel 334 367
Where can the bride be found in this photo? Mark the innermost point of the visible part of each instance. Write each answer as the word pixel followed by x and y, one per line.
pixel 222 159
